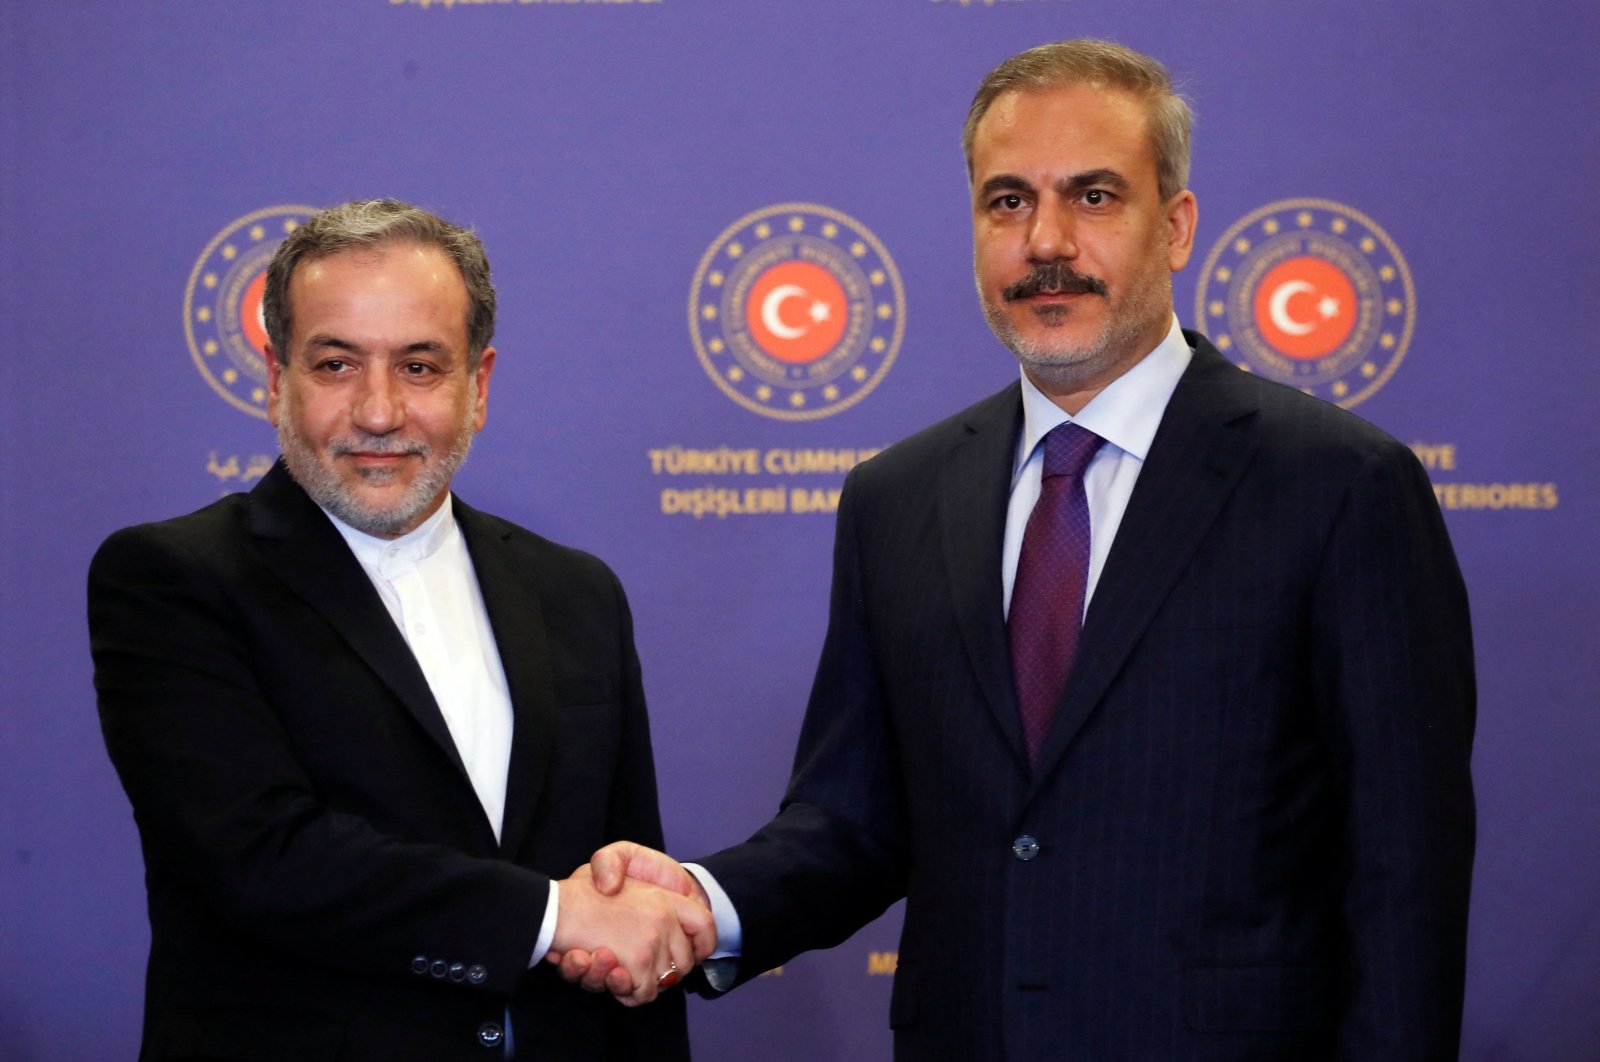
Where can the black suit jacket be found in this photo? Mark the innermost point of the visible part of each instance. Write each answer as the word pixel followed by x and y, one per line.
pixel 1249 832
pixel 323 882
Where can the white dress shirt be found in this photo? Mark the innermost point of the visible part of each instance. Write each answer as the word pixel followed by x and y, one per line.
pixel 1126 415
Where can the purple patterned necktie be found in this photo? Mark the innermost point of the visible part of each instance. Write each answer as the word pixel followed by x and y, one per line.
pixel 1052 572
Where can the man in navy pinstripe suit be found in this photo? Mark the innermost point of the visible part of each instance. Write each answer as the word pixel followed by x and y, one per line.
pixel 1247 830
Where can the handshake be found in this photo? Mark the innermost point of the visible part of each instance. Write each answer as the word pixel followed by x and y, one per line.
pixel 633 922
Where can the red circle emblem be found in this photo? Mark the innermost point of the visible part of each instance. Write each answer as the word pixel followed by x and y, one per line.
pixel 797 312
pixel 252 323
pixel 1305 307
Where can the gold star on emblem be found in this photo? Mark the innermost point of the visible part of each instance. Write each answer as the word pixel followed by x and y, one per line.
pixel 797 399
pixel 763 230
pixel 763 392
pixel 1369 370
pixel 210 346
pixel 715 279
pixel 1303 219
pixel 858 374
pixel 1241 245
pixel 858 249
pixel 1393 306
pixel 1223 273
pixel 735 250
pixel 1245 366
pixel 229 375
pixel 736 374
pixel 257 232
pixel 1386 341
pixel 884 311
pixel 1224 342
pixel 716 346
pixel 796 225
pixel 708 312
pixel 290 225
pixel 877 344
pixel 1386 273
pixel 228 252
pixel 1340 389
pixel 1269 226
pixel 876 276
pixel 258 395
pixel 209 280
pixel 830 230
pixel 203 313
pixel 830 392
pixel 1338 225
pixel 1368 244
pixel 1215 307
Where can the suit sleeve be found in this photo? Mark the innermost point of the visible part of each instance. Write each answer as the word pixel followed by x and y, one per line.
pixel 222 798
pixel 1395 670
pixel 835 856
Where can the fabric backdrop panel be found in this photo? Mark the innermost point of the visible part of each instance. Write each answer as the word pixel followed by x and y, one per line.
pixel 638 170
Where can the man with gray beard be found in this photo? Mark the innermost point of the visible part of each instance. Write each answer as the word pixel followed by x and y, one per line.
pixel 364 727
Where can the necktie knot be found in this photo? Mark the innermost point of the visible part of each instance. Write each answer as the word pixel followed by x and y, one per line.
pixel 1068 449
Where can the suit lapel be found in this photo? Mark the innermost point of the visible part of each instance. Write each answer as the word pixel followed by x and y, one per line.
pixel 511 597
pixel 1205 441
pixel 974 487
pixel 304 549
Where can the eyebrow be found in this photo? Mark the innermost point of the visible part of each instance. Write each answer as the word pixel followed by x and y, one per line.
pixel 1010 182
pixel 322 341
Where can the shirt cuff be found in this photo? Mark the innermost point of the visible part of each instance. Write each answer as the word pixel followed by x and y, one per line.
pixel 730 935
pixel 547 928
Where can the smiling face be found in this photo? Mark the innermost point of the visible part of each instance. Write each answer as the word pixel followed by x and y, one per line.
pixel 376 406
pixel 1073 248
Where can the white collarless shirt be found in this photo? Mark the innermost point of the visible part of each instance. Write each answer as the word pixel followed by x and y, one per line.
pixel 427 582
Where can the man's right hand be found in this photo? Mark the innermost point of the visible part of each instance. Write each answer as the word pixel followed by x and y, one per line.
pixel 624 939
pixel 620 866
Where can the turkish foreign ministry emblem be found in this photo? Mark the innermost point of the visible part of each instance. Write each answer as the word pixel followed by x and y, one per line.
pixel 222 305
pixel 1310 293
pixel 796 311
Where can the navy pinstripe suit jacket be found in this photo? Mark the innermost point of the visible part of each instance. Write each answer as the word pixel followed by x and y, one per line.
pixel 1253 815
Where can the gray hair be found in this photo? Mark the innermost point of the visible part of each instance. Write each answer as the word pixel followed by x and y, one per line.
pixel 372 223
pixel 1101 64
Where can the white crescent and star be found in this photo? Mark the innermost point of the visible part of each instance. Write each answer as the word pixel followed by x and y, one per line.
pixel 1278 308
pixel 774 302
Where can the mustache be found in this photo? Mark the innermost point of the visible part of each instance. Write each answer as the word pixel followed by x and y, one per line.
pixel 361 442
pixel 1054 278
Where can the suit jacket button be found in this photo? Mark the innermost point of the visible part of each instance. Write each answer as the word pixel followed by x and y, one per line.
pixel 439 968
pixel 457 971
pixel 476 974
pixel 490 1034
pixel 419 965
pixel 1025 847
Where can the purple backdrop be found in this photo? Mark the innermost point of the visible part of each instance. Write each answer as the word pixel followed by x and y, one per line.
pixel 603 148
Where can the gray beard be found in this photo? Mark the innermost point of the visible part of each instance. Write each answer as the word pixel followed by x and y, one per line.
pixel 1071 368
pixel 328 490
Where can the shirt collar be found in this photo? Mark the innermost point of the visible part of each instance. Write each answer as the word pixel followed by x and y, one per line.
pixel 413 547
pixel 1125 414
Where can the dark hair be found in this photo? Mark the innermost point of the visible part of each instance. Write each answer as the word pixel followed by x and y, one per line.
pixel 372 223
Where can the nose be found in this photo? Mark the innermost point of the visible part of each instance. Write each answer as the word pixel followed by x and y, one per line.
pixel 1051 233
pixel 379 406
